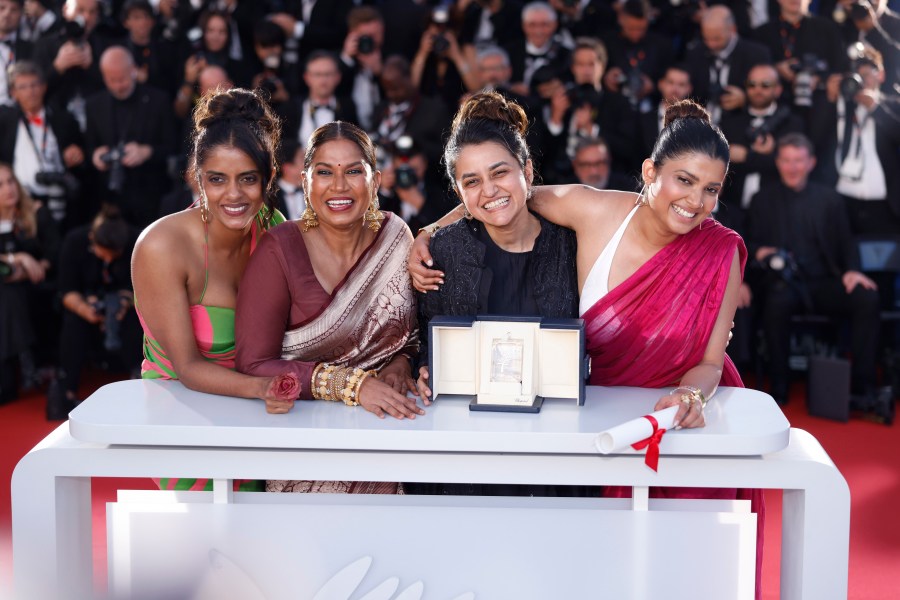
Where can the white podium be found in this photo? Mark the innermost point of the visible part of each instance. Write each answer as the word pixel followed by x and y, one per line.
pixel 425 547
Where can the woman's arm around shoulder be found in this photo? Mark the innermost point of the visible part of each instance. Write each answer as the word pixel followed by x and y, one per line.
pixel 160 270
pixel 578 206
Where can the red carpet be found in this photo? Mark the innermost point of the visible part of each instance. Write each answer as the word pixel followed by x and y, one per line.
pixel 865 452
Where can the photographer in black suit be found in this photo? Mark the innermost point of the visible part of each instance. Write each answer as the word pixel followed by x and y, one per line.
pixel 751 134
pixel 799 238
pixel 13 46
pixel 42 144
pixel 129 138
pixel 720 64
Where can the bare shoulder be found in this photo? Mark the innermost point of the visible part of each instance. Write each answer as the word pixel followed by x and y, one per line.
pixel 166 239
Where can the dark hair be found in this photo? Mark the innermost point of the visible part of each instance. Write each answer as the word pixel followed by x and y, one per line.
pixel 288 150
pixel 139 5
pixel 796 140
pixel 687 129
pixel 487 117
pixel 240 119
pixel 267 34
pixel 639 9
pixel 340 130
pixel 109 230
pixel 206 17
pixel 319 54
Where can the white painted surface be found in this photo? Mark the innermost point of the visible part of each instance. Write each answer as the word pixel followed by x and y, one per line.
pixel 211 436
pixel 164 413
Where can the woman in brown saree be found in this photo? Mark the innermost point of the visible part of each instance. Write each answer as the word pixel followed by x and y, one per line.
pixel 328 297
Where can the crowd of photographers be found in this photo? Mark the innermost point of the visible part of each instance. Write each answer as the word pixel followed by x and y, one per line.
pixel 97 96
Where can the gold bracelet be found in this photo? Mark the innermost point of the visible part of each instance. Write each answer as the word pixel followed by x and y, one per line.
pixel 321 387
pixel 692 394
pixel 350 392
pixel 429 229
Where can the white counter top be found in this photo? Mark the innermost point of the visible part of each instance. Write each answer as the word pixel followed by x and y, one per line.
pixel 740 422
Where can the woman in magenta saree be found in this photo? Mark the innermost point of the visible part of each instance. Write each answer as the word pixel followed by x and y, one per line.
pixel 658 279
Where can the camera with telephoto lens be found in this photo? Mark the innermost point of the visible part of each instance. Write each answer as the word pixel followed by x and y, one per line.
pixel 109 306
pixel 68 182
pixel 770 124
pixel 782 263
pixel 113 160
pixel 584 94
pixel 74 30
pixel 365 44
pixel 405 176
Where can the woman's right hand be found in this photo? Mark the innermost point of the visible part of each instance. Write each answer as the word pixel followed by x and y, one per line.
pixel 422 386
pixel 379 398
pixel 424 278
pixel 280 393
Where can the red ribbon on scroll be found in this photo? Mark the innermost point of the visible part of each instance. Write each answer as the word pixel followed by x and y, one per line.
pixel 651 459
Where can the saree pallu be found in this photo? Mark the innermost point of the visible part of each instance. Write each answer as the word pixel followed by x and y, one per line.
pixel 654 327
pixel 372 314
pixel 370 319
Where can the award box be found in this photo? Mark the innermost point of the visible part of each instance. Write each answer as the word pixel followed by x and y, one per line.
pixel 507 364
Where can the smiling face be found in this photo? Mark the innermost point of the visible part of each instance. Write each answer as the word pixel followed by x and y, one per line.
pixel 683 191
pixel 232 185
pixel 339 183
pixel 492 185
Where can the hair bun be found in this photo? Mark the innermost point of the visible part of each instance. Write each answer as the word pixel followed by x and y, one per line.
pixel 493 107
pixel 234 104
pixel 685 109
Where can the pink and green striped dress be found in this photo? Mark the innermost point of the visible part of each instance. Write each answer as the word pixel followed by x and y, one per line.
pixel 213 328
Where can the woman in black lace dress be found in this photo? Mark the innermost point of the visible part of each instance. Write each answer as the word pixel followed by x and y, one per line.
pixel 501 259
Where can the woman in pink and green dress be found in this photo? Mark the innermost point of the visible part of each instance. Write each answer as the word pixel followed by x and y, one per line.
pixel 186 267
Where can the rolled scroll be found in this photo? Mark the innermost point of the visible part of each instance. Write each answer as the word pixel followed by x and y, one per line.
pixel 643 432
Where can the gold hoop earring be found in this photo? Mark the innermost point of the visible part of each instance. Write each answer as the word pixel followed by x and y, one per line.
pixel 310 218
pixel 204 210
pixel 374 216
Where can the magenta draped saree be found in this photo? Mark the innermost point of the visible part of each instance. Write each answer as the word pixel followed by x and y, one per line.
pixel 654 327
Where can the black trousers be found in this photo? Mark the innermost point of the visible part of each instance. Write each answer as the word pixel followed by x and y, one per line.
pixel 79 339
pixel 828 296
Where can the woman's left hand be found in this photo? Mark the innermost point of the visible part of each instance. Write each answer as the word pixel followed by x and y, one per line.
pixel 396 375
pixel 688 415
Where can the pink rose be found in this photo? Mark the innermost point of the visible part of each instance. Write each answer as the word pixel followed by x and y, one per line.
pixel 285 387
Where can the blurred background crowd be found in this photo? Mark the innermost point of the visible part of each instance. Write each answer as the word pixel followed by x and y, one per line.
pixel 97 96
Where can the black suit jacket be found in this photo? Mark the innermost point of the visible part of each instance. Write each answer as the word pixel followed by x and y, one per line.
pixel 745 56
pixel 64 127
pixel 769 225
pixel 426 122
pixel 735 125
pixel 507 23
pixel 151 122
pixel 62 87
pixel 558 57
pixel 816 35
pixel 648 131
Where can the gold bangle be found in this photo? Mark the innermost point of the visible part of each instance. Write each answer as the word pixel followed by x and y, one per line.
pixel 429 229
pixel 691 394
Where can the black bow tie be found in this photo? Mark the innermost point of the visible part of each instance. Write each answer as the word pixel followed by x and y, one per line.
pixel 315 107
pixel 531 55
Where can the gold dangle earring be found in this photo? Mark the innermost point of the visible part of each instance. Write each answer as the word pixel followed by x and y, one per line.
pixel 643 198
pixel 204 209
pixel 309 217
pixel 466 213
pixel 374 216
